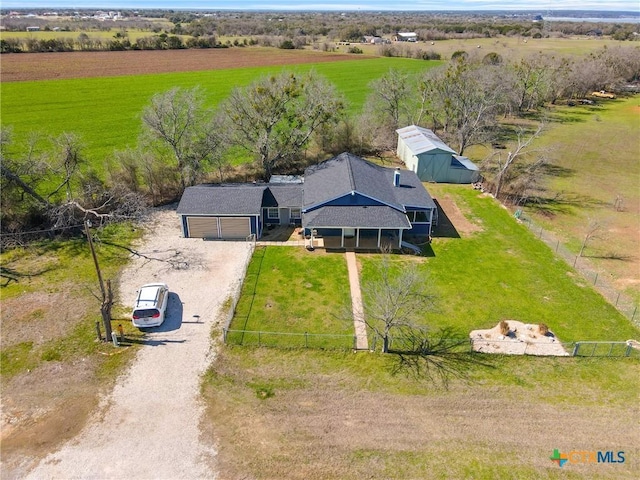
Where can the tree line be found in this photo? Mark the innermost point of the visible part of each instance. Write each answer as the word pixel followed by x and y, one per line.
pixel 283 123
pixel 171 29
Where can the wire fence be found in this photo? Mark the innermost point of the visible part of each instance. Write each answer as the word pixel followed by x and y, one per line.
pixel 320 341
pixel 623 303
pixel 605 349
pixel 327 341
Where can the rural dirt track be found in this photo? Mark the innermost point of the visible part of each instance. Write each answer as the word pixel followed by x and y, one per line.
pixel 149 426
pixel 65 65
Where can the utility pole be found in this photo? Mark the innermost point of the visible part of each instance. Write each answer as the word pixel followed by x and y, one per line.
pixel 107 295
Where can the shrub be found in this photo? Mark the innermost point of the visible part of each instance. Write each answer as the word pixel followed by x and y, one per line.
pixel 287 45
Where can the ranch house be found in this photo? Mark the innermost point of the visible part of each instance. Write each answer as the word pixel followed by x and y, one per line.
pixel 348 201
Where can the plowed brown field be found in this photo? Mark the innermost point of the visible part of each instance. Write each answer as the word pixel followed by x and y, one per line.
pixel 51 66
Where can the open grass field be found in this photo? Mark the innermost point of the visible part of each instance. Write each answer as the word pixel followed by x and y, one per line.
pixel 329 415
pixel 507 47
pixel 295 414
pixel 596 152
pixel 105 111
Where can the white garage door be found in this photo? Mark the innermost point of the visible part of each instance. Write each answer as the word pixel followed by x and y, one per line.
pixel 235 227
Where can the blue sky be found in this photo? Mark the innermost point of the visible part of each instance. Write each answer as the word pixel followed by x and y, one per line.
pixel 333 5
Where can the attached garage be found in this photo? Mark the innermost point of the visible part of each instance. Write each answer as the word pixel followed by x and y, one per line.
pixel 223 212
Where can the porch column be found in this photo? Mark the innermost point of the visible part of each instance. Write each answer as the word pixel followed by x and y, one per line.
pixel 342 238
pixel 357 237
pixel 400 237
pixel 379 237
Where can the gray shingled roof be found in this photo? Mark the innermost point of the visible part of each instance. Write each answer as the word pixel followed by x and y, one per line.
pixel 243 199
pixel 346 173
pixel 286 194
pixel 356 217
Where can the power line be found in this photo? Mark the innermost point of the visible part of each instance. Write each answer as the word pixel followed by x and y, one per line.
pixel 42 231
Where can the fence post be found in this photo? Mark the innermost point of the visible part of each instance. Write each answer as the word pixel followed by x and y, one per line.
pixel 557 245
pixel 576 347
pixel 224 335
pixel 306 340
pixel 633 317
pixel 595 280
pixel 259 338
pixel 617 298
pixel 627 352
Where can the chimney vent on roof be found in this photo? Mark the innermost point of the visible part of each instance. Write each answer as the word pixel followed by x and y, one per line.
pixel 396 178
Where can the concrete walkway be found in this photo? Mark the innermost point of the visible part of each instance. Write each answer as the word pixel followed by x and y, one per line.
pixel 360 327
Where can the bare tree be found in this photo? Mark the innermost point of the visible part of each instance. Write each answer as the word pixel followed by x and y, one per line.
pixel 101 207
pixel 175 118
pixel 593 231
pixel 66 159
pixel 275 117
pixel 214 143
pixel 395 300
pixel 390 105
pixel 502 169
pixel 532 81
pixel 463 99
pixel 21 175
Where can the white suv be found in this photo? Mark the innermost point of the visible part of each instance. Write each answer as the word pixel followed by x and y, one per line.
pixel 150 306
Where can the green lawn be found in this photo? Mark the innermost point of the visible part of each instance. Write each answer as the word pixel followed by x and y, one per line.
pixel 106 112
pixel 291 290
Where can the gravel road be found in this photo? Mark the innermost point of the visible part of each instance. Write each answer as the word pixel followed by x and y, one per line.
pixel 148 426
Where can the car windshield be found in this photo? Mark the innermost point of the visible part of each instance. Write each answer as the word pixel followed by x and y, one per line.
pixel 146 313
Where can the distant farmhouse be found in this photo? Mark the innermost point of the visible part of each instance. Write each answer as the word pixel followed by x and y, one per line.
pixel 405 37
pixel 373 40
pixel 352 202
pixel 431 159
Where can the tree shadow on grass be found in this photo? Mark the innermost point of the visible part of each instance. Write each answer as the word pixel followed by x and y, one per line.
pixel 562 204
pixel 436 357
pixel 13 275
pixel 610 256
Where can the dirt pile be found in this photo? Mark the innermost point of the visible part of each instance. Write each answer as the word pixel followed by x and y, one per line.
pixel 512 337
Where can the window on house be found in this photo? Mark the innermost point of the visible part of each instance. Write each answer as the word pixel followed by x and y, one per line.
pixel 273 213
pixel 295 214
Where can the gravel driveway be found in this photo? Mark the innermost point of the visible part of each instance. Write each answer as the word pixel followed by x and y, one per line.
pixel 148 427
